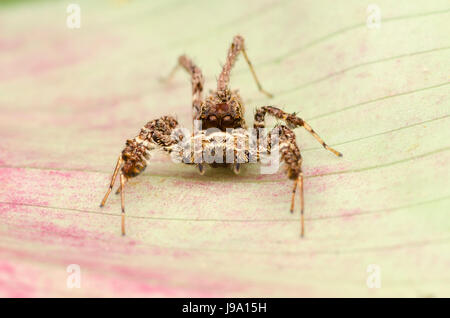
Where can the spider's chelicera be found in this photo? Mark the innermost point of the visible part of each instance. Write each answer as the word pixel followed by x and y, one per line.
pixel 221 136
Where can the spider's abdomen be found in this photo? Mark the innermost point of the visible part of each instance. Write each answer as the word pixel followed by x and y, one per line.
pixel 217 149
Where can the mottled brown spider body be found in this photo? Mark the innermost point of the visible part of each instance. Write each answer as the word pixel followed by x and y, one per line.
pixel 136 153
pixel 223 110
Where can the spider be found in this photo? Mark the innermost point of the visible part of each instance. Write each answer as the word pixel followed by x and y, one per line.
pixel 222 110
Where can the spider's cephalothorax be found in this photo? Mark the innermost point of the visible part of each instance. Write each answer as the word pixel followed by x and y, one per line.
pixel 222 110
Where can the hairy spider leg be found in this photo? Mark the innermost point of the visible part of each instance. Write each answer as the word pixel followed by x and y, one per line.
pixel 302 203
pixel 224 78
pixel 119 189
pixel 122 200
pixel 293 197
pixel 299 183
pixel 197 80
pixel 113 179
pixel 134 158
pixel 292 120
pixel 320 140
pixel 290 155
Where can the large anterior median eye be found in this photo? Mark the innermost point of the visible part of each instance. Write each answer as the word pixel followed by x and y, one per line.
pixel 227 120
pixel 211 122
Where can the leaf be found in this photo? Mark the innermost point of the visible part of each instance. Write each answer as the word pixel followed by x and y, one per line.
pixel 71 97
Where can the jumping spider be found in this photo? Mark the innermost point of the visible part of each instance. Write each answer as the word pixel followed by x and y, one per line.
pixel 222 109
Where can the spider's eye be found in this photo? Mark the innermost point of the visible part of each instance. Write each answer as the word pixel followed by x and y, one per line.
pixel 212 118
pixel 227 119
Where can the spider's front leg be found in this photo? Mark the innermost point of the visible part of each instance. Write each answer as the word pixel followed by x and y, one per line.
pixel 156 134
pixel 224 78
pixel 292 160
pixel 289 150
pixel 292 120
pixel 197 80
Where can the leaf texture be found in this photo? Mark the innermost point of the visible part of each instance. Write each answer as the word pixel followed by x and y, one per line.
pixel 71 97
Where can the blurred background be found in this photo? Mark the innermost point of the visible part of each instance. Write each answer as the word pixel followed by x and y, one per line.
pixel 78 78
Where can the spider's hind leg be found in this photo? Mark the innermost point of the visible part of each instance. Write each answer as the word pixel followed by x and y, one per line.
pixel 122 200
pixel 119 189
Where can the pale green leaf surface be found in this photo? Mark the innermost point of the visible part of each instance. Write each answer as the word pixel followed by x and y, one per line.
pixel 70 98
